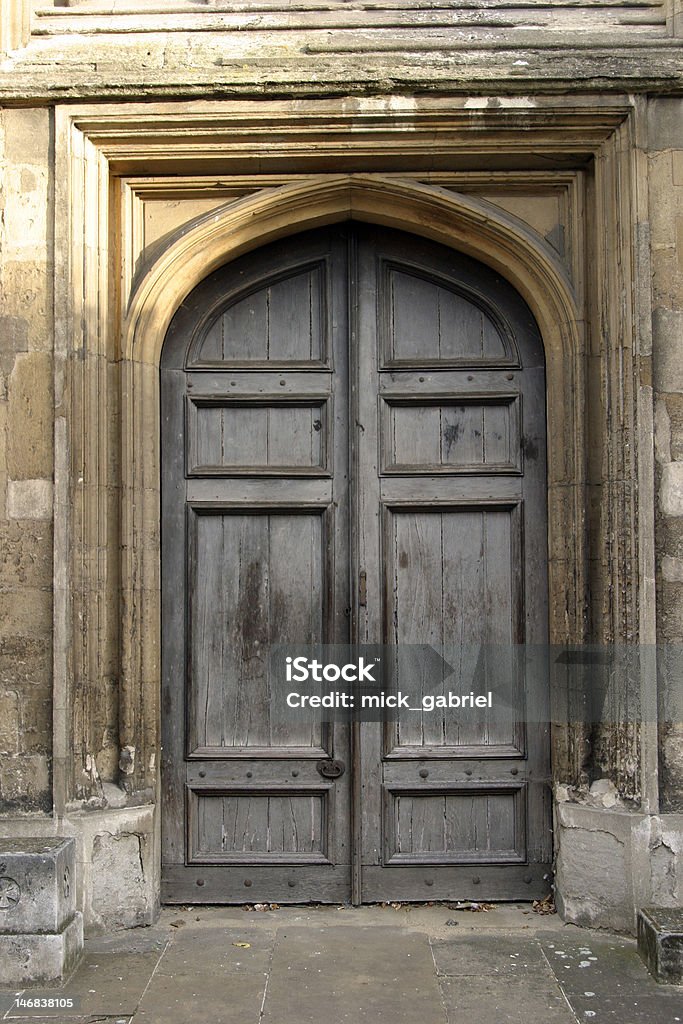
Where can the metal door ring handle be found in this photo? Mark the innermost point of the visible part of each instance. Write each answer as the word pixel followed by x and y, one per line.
pixel 330 769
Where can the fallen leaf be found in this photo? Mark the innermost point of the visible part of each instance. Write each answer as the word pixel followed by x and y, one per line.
pixel 243 945
pixel 544 906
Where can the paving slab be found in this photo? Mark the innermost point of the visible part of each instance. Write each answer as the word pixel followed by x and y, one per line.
pixel 104 984
pixel 535 998
pixel 91 1018
pixel 606 982
pixel 348 976
pixel 209 973
pixel 478 956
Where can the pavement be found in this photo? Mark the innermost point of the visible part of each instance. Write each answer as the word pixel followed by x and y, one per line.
pixel 395 964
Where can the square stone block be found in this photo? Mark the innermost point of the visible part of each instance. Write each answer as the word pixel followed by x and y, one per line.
pixel 30 960
pixel 37 885
pixel 660 942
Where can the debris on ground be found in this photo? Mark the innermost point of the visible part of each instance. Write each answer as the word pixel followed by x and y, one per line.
pixel 261 906
pixel 544 906
pixel 451 923
pixel 178 923
pixel 474 907
pixel 243 945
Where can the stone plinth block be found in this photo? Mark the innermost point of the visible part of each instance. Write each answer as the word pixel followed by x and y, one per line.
pixel 37 890
pixel 660 941
pixel 41 959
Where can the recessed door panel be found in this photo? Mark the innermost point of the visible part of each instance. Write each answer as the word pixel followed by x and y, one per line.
pixel 244 598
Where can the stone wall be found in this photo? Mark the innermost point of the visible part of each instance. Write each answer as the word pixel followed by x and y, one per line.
pixel 666 225
pixel 26 460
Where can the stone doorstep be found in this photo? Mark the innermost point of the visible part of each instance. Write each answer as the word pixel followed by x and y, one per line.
pixel 660 942
pixel 39 959
pixel 37 887
pixel 41 933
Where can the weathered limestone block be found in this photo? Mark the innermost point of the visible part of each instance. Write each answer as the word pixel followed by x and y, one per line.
pixel 42 896
pixel 9 722
pixel 666 860
pixel 671 490
pixel 26 552
pixel 667 330
pixel 674 408
pixel 28 287
pixel 118 867
pixel 38 960
pixel 604 864
pixel 41 933
pixel 671 764
pixel 660 942
pixel 30 428
pixel 25 781
pixel 29 499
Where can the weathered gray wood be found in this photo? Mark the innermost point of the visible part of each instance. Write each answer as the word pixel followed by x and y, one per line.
pixel 258 824
pixel 173 556
pixel 440 490
pixel 262 546
pixel 430 322
pixel 456 563
pixel 456 827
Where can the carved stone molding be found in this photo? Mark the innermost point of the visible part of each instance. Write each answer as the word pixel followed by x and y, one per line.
pixel 109 341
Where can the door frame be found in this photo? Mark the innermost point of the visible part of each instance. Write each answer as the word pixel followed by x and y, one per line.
pixel 112 159
pixel 468 225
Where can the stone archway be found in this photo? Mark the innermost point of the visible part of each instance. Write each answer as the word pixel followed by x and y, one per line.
pixel 471 226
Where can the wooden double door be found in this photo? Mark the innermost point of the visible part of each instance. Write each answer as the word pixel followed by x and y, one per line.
pixel 353 449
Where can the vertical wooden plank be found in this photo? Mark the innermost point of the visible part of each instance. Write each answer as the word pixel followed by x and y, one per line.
pixel 290 433
pixel 500 812
pixel 417 607
pixel 245 327
pixel 459 829
pixel 253 626
pixel 294 318
pixel 462 442
pixel 275 839
pixel 228 824
pixel 464 611
pixel 206 631
pixel 497 448
pixel 401 816
pixel 433 824
pixel 459 327
pixel 296 603
pixel 243 437
pixel 492 344
pixel 499 592
pixel 209 813
pixel 233 710
pixel 416 430
pixel 212 344
pixel 174 596
pixel 202 444
pixel 414 323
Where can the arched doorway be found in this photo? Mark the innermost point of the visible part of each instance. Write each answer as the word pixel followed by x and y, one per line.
pixel 353 448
